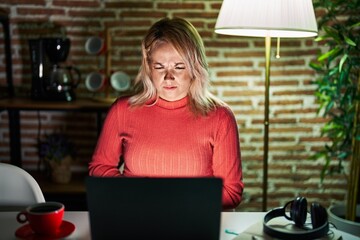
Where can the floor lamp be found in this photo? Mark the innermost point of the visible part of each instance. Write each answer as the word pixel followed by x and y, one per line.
pixel 267 18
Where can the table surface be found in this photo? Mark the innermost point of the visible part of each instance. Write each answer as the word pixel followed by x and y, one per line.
pixel 231 221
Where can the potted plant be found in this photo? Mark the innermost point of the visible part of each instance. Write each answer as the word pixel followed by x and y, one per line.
pixel 58 152
pixel 338 92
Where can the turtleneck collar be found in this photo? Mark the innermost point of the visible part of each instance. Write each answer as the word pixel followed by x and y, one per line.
pixel 173 104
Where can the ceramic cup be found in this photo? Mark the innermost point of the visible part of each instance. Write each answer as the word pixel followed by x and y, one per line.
pixel 120 81
pixel 95 81
pixel 43 218
pixel 95 45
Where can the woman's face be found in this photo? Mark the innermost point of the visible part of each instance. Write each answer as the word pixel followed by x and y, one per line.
pixel 169 74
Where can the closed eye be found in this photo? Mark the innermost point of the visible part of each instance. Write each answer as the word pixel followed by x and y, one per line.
pixel 180 66
pixel 158 66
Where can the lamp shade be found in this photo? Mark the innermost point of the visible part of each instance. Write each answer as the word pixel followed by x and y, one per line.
pixel 261 18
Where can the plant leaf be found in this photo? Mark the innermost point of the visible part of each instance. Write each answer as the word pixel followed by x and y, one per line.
pixel 355 25
pixel 316 67
pixel 320 38
pixel 330 53
pixel 342 61
pixel 350 42
pixel 332 32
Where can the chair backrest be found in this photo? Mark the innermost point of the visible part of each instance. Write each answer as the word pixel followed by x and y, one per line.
pixel 18 188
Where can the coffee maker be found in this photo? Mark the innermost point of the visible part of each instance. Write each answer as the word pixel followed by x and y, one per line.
pixel 51 81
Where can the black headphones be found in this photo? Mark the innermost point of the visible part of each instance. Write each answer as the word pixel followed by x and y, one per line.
pixel 298 212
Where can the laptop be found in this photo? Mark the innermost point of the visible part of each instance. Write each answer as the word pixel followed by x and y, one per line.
pixel 154 208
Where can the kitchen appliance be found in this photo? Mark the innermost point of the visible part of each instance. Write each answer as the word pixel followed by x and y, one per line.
pixel 4 20
pixel 51 80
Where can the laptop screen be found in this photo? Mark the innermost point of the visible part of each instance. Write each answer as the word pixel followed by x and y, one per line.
pixel 154 208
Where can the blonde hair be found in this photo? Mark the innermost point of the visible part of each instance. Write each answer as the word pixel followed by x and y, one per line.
pixel 186 40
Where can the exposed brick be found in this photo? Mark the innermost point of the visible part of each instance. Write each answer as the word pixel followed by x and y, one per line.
pixel 283 43
pixel 201 14
pixel 143 14
pixel 89 14
pixel 231 64
pixel 238 73
pixel 285 63
pixel 228 83
pixel 23 2
pixel 283 120
pixel 313 139
pixel 74 3
pixel 246 54
pixel 129 4
pixel 40 11
pixel 291 72
pixel 242 93
pixel 295 111
pixel 228 44
pixel 294 129
pixel 281 83
pixel 184 5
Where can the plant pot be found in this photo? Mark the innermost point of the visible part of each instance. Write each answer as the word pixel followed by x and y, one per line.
pixel 337 217
pixel 61 171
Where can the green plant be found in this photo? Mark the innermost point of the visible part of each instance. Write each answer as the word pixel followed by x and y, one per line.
pixel 338 89
pixel 55 147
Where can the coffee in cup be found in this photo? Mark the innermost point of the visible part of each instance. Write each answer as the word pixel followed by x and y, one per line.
pixel 43 218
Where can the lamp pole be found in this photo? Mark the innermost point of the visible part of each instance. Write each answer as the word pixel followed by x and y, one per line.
pixel 266 121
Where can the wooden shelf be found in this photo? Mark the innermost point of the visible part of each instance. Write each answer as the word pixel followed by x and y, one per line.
pixel 85 104
pixel 15 105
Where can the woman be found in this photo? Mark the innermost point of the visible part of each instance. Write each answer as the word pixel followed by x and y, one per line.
pixel 173 126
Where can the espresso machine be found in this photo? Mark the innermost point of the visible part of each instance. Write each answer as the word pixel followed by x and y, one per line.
pixel 51 80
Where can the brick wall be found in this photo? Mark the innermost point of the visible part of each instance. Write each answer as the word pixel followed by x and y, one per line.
pixel 237 73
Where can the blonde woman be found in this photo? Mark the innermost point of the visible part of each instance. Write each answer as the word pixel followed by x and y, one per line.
pixel 172 126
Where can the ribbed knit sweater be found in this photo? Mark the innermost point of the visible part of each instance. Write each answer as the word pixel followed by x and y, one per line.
pixel 168 140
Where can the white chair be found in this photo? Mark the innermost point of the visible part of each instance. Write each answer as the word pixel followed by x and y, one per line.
pixel 18 188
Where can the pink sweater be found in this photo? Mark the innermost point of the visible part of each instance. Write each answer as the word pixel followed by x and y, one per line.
pixel 167 140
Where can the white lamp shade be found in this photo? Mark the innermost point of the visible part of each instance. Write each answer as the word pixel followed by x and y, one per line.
pixel 261 18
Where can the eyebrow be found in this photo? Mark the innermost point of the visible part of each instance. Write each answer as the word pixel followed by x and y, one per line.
pixel 176 64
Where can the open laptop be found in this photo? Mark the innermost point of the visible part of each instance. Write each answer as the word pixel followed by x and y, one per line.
pixel 154 208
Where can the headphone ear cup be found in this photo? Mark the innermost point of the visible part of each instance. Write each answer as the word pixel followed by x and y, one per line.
pixel 318 215
pixel 298 211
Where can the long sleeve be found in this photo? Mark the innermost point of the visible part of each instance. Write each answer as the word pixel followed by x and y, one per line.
pixel 227 159
pixel 108 150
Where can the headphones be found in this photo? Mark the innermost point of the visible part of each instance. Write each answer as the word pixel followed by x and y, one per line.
pixel 298 212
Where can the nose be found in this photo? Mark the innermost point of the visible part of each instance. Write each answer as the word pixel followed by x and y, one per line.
pixel 169 75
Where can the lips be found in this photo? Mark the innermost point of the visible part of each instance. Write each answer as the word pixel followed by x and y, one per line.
pixel 169 87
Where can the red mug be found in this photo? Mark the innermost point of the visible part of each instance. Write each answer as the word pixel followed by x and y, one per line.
pixel 44 218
